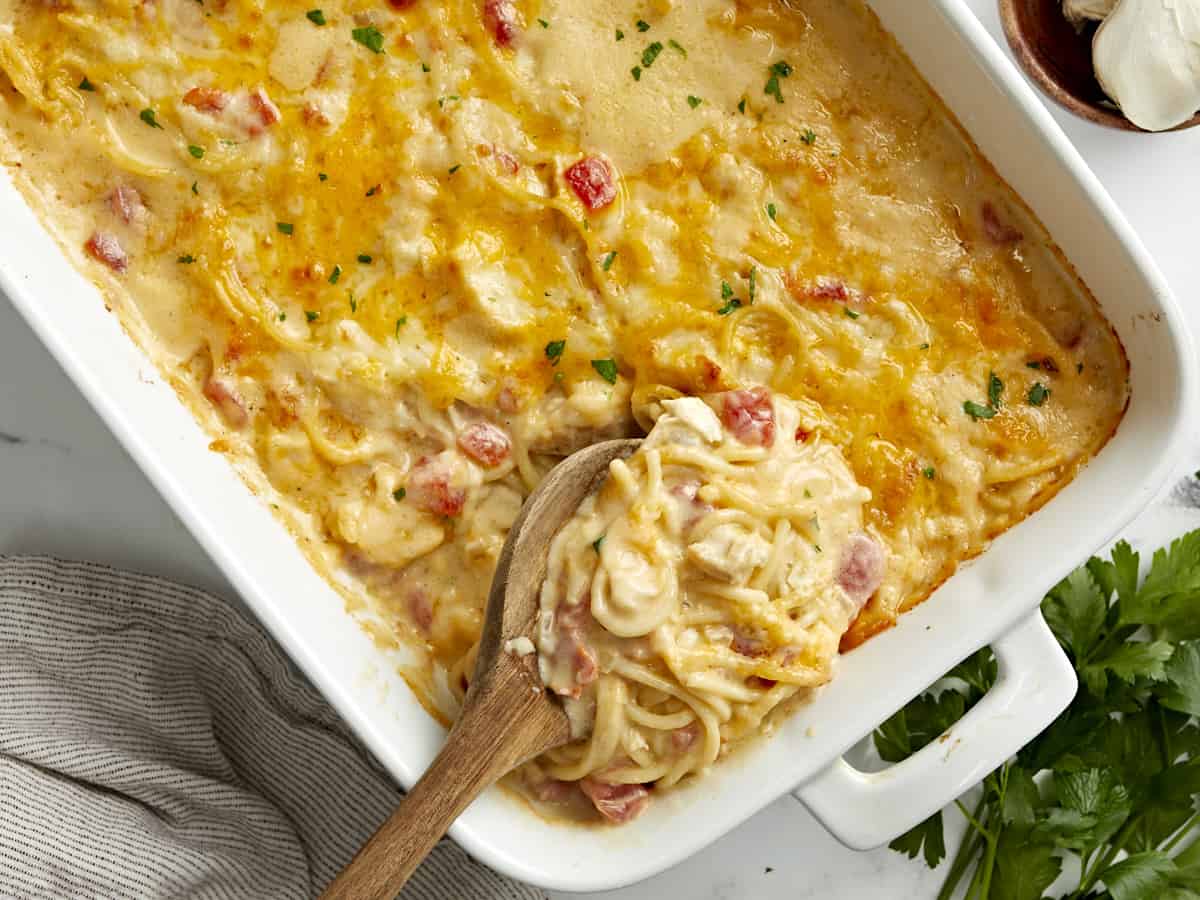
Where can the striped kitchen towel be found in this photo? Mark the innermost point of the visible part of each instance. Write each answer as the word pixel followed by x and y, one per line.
pixel 155 743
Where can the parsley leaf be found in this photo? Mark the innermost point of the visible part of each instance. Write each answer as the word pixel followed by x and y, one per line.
pixel 147 115
pixel 85 85
pixel 1024 867
pixel 607 262
pixel 650 54
pixel 1076 610
pixel 554 351
pixel 693 101
pixel 978 411
pixel 1180 689
pixel 399 494
pixel 674 45
pixel 606 369
pixel 316 16
pixel 926 839
pixel 995 389
pixel 1038 394
pixel 643 25
pixel 196 152
pixel 771 211
pixel 370 37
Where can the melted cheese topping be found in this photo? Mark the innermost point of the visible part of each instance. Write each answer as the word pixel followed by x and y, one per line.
pixel 399 258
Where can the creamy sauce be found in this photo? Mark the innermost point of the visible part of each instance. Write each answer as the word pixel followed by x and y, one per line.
pixel 402 259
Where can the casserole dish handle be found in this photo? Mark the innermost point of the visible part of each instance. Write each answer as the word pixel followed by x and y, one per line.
pixel 1035 682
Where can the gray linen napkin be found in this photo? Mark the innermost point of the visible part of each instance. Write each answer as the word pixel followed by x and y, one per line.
pixel 155 743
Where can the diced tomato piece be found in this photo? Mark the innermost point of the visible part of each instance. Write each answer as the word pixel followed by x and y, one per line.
pixel 421 610
pixel 750 416
pixel 551 790
pixel 268 112
pixel 485 443
pixel 107 249
pixel 430 489
pixel 126 203
pixel 502 20
pixel 227 402
pixel 618 803
pixel 593 182
pixel 573 649
pixel 861 569
pixel 802 434
pixel 506 161
pixel 314 116
pixel 748 646
pixel 997 230
pixel 206 99
pixel 683 738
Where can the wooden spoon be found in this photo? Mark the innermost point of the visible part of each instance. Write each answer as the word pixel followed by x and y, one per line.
pixel 508 717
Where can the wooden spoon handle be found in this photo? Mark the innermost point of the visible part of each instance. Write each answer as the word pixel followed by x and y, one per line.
pixel 380 869
pixel 494 735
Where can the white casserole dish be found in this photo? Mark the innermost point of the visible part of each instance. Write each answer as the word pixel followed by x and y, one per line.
pixel 993 600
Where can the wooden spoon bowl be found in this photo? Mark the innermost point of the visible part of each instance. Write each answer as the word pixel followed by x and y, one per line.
pixel 1059 60
pixel 508 717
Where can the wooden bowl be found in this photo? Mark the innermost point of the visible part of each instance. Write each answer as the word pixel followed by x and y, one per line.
pixel 1059 60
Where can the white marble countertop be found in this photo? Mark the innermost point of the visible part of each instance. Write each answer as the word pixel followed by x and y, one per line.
pixel 67 488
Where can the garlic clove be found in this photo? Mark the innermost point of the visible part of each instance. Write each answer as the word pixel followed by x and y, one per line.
pixel 1147 59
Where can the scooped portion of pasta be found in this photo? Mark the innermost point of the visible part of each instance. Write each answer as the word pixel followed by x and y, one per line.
pixel 710 579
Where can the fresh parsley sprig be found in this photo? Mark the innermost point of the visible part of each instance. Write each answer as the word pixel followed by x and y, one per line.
pixel 1114 781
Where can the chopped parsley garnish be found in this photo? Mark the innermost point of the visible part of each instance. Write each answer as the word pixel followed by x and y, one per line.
pixel 197 152
pixel 454 168
pixel 147 116
pixel 370 37
pixel 316 16
pixel 636 72
pixel 924 346
pixel 312 315
pixel 372 191
pixel 195 188
pixel 620 35
pixel 543 23
pixel 187 259
pixel 400 324
pixel 353 303
pixel 399 494
pixel 850 314
pixel 283 317
pixel 730 305
pixel 742 106
pixel 771 211
pixel 607 262
pixel 606 369
pixel 1078 368
pixel 425 67
pixel 554 351
pixel 598 543
pixel 85 85
pixel 929 472
pixel 726 290
pixel 643 25
pixel 674 45
pixel 335 274
pixel 285 227
pixel 321 176
pixel 978 411
pixel 809 137
pixel 694 101
pixel 1038 394
pixel 1034 364
pixel 753 282
pixel 365 259
pixel 779 70
pixel 442 101
pixel 995 389
pixel 650 54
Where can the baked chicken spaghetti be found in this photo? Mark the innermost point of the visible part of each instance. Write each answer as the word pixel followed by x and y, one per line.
pixel 402 257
